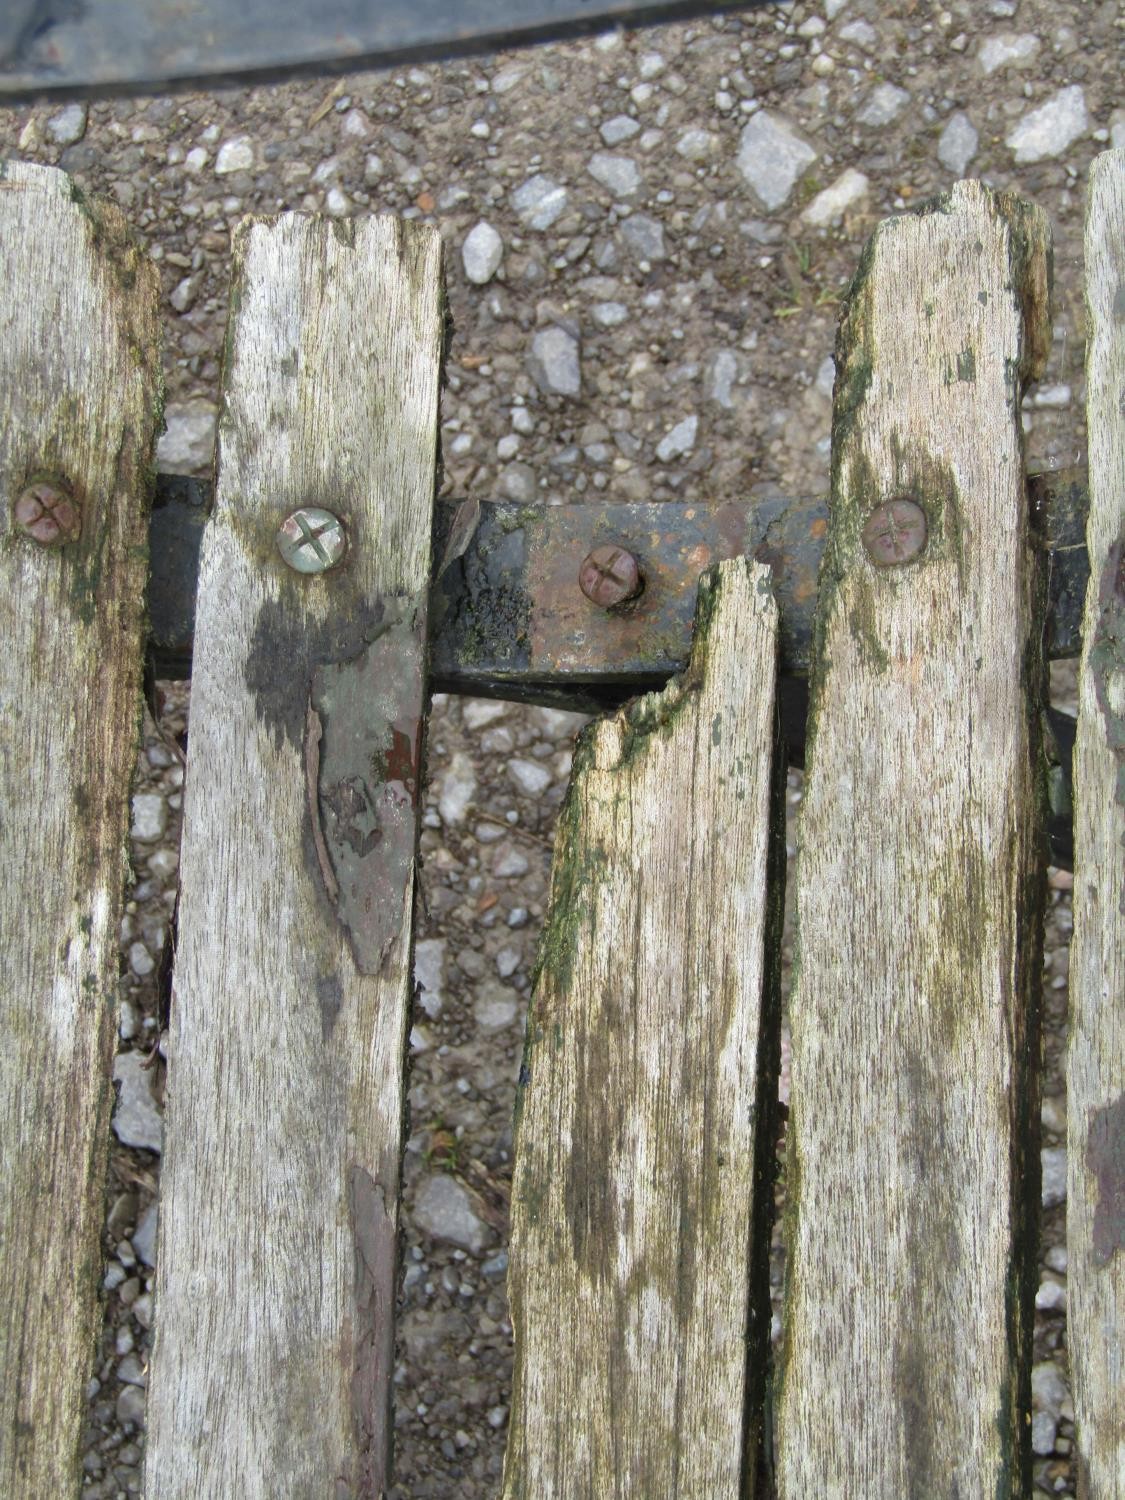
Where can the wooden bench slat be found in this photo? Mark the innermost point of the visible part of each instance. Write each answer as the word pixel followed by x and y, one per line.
pixel 1096 1054
pixel 276 1289
pixel 643 1176
pixel 913 1170
pixel 80 373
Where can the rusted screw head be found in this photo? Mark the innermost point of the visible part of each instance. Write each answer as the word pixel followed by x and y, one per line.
pixel 47 512
pixel 312 540
pixel 609 575
pixel 895 532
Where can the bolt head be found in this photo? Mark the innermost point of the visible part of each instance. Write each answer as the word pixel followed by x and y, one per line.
pixel 895 532
pixel 610 575
pixel 312 540
pixel 46 512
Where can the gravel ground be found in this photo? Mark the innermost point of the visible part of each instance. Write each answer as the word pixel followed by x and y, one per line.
pixel 647 236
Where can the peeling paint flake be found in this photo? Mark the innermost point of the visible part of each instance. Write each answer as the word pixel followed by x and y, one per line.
pixel 368 708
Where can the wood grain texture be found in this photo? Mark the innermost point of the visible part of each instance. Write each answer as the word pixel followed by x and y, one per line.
pixel 1096 1054
pixel 276 1290
pixel 80 372
pixel 913 1161
pixel 643 1176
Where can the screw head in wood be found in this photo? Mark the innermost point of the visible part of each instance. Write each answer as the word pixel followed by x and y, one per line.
pixel 48 513
pixel 312 540
pixel 895 532
pixel 610 575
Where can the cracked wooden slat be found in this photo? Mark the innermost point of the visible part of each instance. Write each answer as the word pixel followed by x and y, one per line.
pixel 1096 1050
pixel 276 1288
pixel 912 1172
pixel 80 372
pixel 642 1188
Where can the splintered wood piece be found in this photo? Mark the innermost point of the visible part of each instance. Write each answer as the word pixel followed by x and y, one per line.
pixel 1096 1057
pixel 639 1278
pixel 80 373
pixel 913 1163
pixel 274 1332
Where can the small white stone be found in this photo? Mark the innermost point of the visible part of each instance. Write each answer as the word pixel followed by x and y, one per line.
pixel 554 362
pixel 721 376
pixel 196 159
pixel 150 817
pixel 482 253
pixel 651 65
pixel 826 376
pixel 136 1119
pixel 141 960
pixel 619 128
pixel 529 776
pixel 188 441
pixel 697 145
pixel 457 788
pixel 832 8
pixel 885 103
pixel 444 1210
pixel 772 156
pixel 509 862
pixel 1053 1161
pixel 1055 396
pixel 830 206
pixel 235 155
pixel 539 202
pixel 144 1236
pixel 958 143
pixel 507 447
pixel 679 441
pixel 1051 1297
pixel 1007 51
pixel 163 863
pixel 618 174
pixel 814 26
pixel 480 130
pixel 355 125
pixel 497 1006
pixel 1047 131
pixel 609 314
pixel 68 125
pixel 337 203
pixel 860 34
pixel 479 713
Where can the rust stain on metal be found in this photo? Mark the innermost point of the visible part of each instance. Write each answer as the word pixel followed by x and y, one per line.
pixel 367 769
pixel 1105 1160
pixel 373 1238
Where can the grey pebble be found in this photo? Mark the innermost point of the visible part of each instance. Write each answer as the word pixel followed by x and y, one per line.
pixel 617 174
pixel 885 103
pixel 444 1210
pixel 554 362
pixel 136 1120
pixel 529 776
pixel 144 1236
pixel 188 441
pixel 482 253
pixel 518 483
pixel 235 155
pixel 644 237
pixel 1053 1160
pixel 1047 131
pixel 958 143
pixel 539 202
pixel 150 817
pixel 69 125
pixel 131 1406
pixel 510 862
pixel 772 156
pixel 620 128
pixel 679 441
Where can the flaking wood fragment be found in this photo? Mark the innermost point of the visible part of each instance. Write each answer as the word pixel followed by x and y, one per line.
pixel 1096 1046
pixel 643 1175
pixel 912 1143
pixel 80 372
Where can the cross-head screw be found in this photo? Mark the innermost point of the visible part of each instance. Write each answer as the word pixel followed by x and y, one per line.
pixel 895 532
pixel 47 512
pixel 610 575
pixel 312 540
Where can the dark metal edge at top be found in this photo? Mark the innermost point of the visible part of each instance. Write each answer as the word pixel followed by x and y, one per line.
pixel 63 48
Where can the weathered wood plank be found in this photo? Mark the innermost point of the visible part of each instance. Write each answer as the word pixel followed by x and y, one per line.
pixel 80 372
pixel 1096 1056
pixel 913 1164
pixel 276 1286
pixel 643 1177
